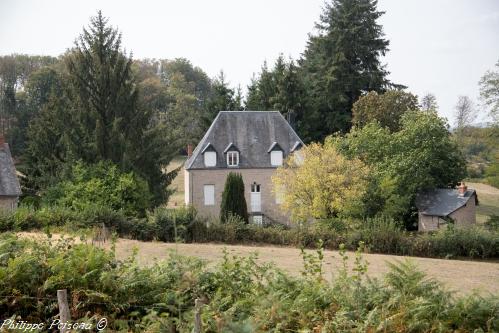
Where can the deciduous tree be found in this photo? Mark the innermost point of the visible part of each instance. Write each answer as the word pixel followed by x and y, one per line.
pixel 386 108
pixel 319 182
pixel 489 91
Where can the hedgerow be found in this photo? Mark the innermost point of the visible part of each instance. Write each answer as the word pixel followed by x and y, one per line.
pixel 378 234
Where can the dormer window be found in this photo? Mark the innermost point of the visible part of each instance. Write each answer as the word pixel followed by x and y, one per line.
pixel 210 155
pixel 233 158
pixel 276 154
pixel 232 155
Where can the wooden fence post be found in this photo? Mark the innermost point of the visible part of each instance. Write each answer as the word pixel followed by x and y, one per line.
pixel 64 316
pixel 198 324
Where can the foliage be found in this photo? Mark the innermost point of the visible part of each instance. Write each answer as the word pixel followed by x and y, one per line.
pixel 239 294
pixel 22 89
pixel 489 91
pixel 493 223
pixel 101 185
pixel 479 146
pixel 387 108
pixel 466 112
pixel 233 200
pixel 173 224
pixel 379 234
pixel 429 102
pixel 97 116
pixel 340 63
pixel 319 182
pixel 492 171
pixel 421 156
pixel 222 98
pixel 281 89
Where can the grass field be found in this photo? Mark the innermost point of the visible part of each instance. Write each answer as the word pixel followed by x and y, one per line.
pixel 488 197
pixel 460 276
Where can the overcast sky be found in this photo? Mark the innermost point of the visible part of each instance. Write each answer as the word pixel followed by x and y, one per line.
pixel 438 46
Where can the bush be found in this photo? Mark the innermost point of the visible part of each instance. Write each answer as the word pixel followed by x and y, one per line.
pixel 233 200
pixel 380 235
pixel 173 222
pixel 101 185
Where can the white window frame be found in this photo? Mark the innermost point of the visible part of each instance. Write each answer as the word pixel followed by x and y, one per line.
pixel 276 157
pixel 209 194
pixel 232 158
pixel 256 188
pixel 210 158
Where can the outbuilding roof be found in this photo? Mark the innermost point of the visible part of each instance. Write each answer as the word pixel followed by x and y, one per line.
pixel 442 202
pixel 9 184
pixel 251 133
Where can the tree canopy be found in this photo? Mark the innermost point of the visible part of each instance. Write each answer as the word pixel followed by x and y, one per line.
pixel 319 182
pixel 420 156
pixel 386 108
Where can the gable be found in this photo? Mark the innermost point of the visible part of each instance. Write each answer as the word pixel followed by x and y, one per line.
pixel 252 133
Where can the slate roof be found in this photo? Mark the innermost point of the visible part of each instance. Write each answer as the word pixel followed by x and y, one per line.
pixel 9 184
pixel 249 132
pixel 442 202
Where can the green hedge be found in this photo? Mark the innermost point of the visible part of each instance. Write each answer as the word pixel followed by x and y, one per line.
pixel 378 235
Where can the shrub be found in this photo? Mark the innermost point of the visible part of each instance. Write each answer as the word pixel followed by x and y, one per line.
pixel 101 185
pixel 233 200
pixel 240 294
pixel 493 223
pixel 173 222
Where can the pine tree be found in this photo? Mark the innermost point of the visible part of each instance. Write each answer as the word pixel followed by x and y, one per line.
pixel 252 102
pixel 233 200
pixel 221 99
pixel 341 62
pixel 104 120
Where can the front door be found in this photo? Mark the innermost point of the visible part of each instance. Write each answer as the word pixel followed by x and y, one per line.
pixel 256 198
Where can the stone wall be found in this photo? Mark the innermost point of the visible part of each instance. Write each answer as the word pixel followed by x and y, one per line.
pixel 8 203
pixel 196 179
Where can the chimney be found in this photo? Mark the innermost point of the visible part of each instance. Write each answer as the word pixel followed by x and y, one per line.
pixel 462 189
pixel 189 150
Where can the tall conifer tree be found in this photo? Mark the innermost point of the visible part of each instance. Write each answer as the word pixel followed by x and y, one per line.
pixel 342 62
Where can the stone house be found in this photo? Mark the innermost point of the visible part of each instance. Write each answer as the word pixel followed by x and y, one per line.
pixel 252 143
pixel 438 207
pixel 10 190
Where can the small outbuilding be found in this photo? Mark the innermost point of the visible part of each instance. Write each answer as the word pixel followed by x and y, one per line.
pixel 10 190
pixel 439 207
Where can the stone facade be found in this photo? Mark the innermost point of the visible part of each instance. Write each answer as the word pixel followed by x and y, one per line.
pixel 7 203
pixel 196 179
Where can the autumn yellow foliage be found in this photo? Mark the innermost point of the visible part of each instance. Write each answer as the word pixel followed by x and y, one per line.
pixel 318 182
